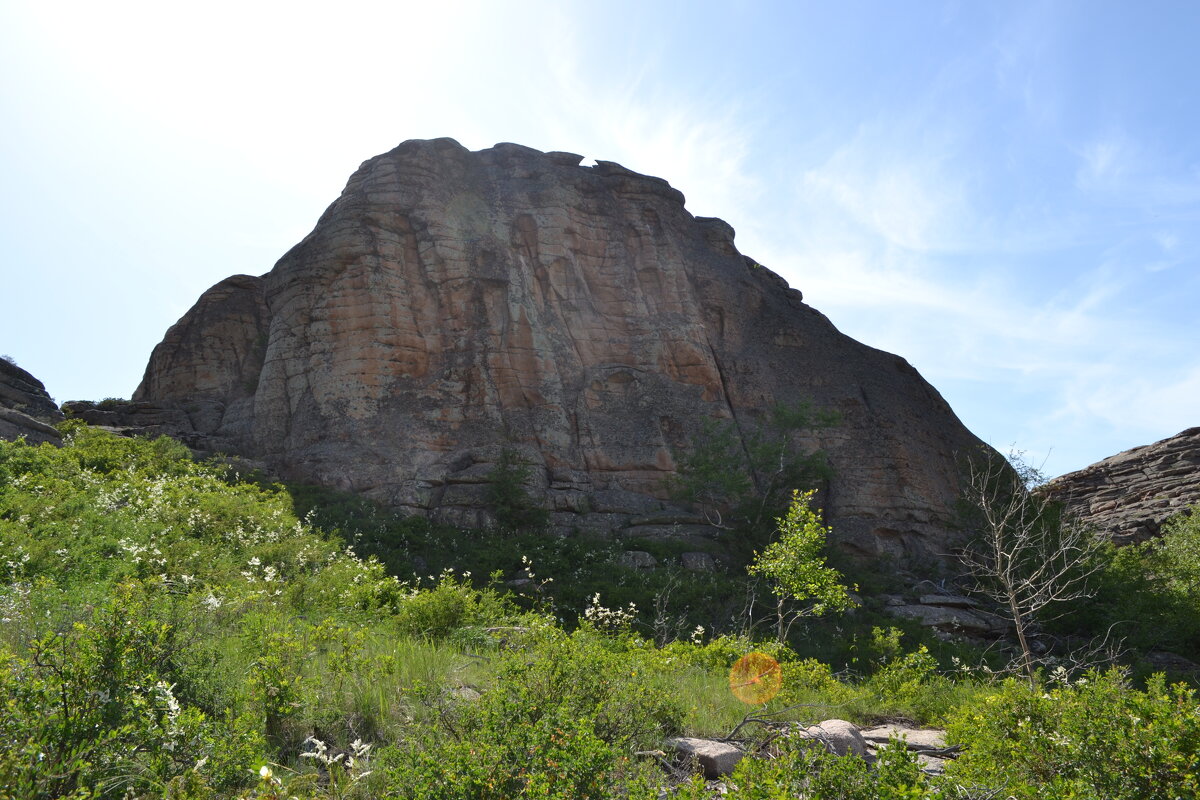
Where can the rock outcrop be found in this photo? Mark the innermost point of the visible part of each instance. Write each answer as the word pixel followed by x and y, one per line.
pixel 26 409
pixel 453 304
pixel 1128 496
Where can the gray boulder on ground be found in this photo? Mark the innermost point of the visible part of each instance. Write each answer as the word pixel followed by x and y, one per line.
pixel 637 559
pixel 914 738
pixel 839 737
pixel 954 621
pixel 715 758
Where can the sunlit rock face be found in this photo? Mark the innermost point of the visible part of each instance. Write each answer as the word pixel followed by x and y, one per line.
pixel 1127 497
pixel 453 303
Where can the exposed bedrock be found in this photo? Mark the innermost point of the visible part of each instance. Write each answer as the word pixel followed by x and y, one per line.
pixel 26 409
pixel 453 303
pixel 1128 496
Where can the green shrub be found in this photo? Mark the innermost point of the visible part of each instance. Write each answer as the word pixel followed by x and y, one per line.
pixel 802 770
pixel 560 720
pixel 450 605
pixel 1095 738
pixel 515 510
pixel 1148 594
pixel 742 475
pixel 93 709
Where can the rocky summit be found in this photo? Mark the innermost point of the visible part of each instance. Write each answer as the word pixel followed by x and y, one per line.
pixel 452 305
pixel 1128 496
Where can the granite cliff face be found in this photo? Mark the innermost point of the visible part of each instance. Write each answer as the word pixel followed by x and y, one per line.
pixel 1128 496
pixel 26 409
pixel 452 304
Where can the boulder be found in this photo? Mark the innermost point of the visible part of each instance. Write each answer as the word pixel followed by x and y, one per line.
pixel 951 620
pixel 947 601
pixel 839 737
pixel 637 559
pixel 715 758
pixel 15 425
pixel 918 739
pixel 1171 663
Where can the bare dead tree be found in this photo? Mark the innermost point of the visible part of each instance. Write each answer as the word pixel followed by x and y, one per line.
pixel 1026 556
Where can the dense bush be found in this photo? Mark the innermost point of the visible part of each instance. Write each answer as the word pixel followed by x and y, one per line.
pixel 1148 594
pixel 1095 738
pixel 803 770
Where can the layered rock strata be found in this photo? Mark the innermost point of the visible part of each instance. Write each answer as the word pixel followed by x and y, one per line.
pixel 451 304
pixel 26 409
pixel 1128 496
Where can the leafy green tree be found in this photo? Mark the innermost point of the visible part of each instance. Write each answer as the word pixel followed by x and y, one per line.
pixel 740 475
pixel 796 568
pixel 1150 592
pixel 515 510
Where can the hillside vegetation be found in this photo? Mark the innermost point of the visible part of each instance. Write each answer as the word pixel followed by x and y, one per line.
pixel 169 629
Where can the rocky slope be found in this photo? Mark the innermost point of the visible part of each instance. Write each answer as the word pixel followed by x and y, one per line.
pixel 453 303
pixel 26 409
pixel 1128 496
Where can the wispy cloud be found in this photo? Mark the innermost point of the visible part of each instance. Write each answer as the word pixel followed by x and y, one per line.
pixel 906 203
pixel 620 115
pixel 1104 160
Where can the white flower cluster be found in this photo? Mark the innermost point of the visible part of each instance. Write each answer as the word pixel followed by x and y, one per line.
pixel 1062 676
pixel 16 564
pixel 154 556
pixel 355 762
pixel 612 620
pixel 527 568
pixel 166 696
pixel 267 574
pixel 13 600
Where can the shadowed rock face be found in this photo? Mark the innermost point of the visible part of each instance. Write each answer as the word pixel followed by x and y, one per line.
pixel 26 409
pixel 1128 496
pixel 450 304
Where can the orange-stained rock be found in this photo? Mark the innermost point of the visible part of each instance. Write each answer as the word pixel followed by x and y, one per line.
pixel 450 304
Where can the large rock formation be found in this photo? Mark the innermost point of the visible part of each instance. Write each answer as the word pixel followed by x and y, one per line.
pixel 26 409
pixel 1128 496
pixel 451 304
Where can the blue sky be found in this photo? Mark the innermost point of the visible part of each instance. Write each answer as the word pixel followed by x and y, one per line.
pixel 1006 194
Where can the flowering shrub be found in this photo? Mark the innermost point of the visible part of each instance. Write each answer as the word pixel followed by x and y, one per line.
pixel 94 708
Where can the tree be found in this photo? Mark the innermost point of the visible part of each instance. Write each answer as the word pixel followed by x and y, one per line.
pixel 515 510
pixel 796 569
pixel 739 474
pixel 1025 555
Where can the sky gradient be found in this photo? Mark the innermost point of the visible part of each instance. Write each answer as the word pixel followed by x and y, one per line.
pixel 1005 194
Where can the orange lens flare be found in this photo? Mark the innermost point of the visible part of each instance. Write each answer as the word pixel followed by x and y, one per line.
pixel 755 678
